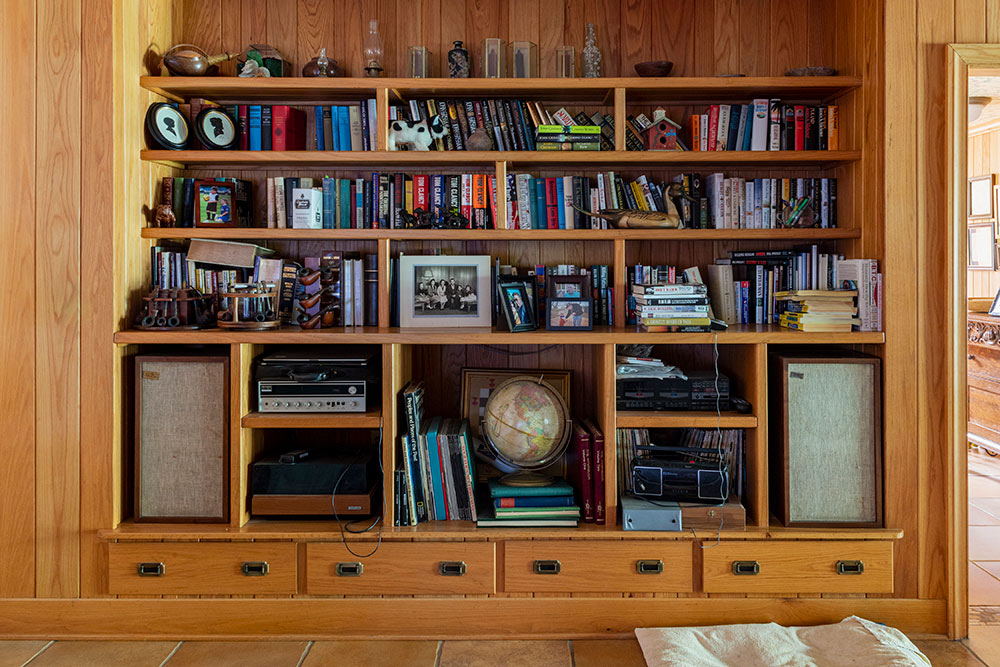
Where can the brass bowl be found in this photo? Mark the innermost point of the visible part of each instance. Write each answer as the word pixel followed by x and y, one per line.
pixel 654 68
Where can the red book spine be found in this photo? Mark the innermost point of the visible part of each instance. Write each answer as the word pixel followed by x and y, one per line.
pixel 597 461
pixel 552 204
pixel 800 128
pixel 492 191
pixel 420 191
pixel 243 123
pixel 480 121
pixel 296 140
pixel 584 473
pixel 479 200
pixel 279 127
pixel 465 207
pixel 713 125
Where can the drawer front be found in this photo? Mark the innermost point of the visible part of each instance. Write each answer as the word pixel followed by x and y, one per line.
pixel 798 567
pixel 402 568
pixel 984 408
pixel 607 567
pixel 983 360
pixel 202 568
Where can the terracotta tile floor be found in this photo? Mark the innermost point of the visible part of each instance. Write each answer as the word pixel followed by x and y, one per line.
pixel 984 557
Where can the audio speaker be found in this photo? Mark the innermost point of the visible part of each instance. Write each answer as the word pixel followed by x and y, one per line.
pixel 826 439
pixel 182 438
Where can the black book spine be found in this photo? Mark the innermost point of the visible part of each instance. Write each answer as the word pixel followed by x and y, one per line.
pixel 449 139
pixel 511 135
pixel 821 127
pixel 787 127
pixel 811 129
pixel 364 127
pixel 187 203
pixel 456 129
pixel 488 123
pixel 367 203
pixel 734 127
pixel 833 202
pixel 470 116
pixel 463 123
pixel 290 184
pixel 529 129
pixel 491 107
pixel 265 129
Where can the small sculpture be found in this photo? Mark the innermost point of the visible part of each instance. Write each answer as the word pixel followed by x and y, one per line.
pixel 164 216
pixel 189 60
pixel 458 62
pixel 321 66
pixel 266 57
pixel 591 55
pixel 251 70
pixel 479 140
pixel 416 135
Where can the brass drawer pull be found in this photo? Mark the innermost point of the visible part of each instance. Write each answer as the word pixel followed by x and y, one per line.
pixel 850 567
pixel 547 567
pixel 350 569
pixel 746 567
pixel 150 569
pixel 255 568
pixel 649 566
pixel 451 568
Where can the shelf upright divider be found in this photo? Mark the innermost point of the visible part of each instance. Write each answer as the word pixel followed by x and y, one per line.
pixel 757 455
pixel 382 259
pixel 619 119
pixel 381 118
pixel 620 283
pixel 501 196
pixel 606 421
pixel 391 377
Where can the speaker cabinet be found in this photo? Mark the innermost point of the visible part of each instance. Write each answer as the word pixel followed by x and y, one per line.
pixel 182 438
pixel 826 439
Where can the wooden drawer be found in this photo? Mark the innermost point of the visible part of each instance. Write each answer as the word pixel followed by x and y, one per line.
pixel 606 567
pixel 798 567
pixel 983 360
pixel 984 407
pixel 194 568
pixel 402 568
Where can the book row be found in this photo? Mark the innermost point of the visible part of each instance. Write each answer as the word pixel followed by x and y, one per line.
pixel 766 125
pixel 763 203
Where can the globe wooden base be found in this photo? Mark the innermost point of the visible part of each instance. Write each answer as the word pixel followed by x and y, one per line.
pixel 527 478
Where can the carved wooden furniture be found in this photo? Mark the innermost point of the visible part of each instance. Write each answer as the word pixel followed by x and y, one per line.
pixel 983 367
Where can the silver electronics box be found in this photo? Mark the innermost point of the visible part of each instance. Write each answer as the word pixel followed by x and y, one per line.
pixel 639 514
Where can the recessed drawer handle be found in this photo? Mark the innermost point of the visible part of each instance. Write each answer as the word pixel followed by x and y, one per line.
pixel 150 569
pixel 850 567
pixel 746 567
pixel 255 568
pixel 649 566
pixel 350 569
pixel 547 567
pixel 451 568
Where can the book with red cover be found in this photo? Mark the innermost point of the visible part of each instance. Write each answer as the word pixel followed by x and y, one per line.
pixel 713 125
pixel 421 191
pixel 479 201
pixel 552 203
pixel 243 125
pixel 597 462
pixel 288 128
pixel 800 128
pixel 581 472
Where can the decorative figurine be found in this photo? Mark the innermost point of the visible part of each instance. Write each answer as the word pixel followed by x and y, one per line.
pixel 416 135
pixel 189 60
pixel 458 62
pixel 164 216
pixel 321 66
pixel 373 51
pixel 591 55
pixel 479 140
pixel 524 60
pixel 251 70
pixel 266 57
pixel 494 58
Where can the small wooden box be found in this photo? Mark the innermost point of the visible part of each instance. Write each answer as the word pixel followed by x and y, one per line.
pixel 826 439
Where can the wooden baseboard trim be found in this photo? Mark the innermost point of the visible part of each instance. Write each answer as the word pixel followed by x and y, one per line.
pixel 410 618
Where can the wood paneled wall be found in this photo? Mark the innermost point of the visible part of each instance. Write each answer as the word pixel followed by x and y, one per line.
pixel 984 158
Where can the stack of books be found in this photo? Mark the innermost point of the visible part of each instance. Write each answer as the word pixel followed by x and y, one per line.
pixel 568 138
pixel 552 505
pixel 766 125
pixel 665 308
pixel 819 310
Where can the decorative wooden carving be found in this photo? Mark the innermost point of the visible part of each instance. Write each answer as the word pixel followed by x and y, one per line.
pixel 983 333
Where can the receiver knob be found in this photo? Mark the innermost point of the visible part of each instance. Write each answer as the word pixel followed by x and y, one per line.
pixel 352 390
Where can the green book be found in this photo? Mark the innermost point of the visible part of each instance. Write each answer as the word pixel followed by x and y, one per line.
pixel 558 488
pixel 537 512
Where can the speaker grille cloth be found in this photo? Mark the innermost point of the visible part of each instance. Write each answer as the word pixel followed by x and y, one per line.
pixel 182 439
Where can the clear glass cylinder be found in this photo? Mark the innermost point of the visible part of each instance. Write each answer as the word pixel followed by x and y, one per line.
pixel 565 62
pixel 419 62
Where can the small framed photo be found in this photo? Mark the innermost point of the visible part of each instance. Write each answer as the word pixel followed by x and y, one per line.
pixel 166 127
pixel 444 291
pixel 214 201
pixel 982 241
pixel 517 306
pixel 569 287
pixel 216 129
pixel 980 204
pixel 569 315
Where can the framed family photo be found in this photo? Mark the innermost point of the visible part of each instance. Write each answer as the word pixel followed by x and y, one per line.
pixel 444 291
pixel 569 315
pixel 517 301
pixel 214 204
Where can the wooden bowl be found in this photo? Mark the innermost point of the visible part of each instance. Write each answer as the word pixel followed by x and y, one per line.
pixel 654 68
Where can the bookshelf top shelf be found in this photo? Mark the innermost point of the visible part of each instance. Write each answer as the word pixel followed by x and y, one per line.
pixel 600 90
pixel 735 335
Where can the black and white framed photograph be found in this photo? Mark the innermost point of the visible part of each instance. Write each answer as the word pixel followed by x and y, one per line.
pixel 981 197
pixel 517 307
pixel 216 129
pixel 166 127
pixel 569 315
pixel 444 291
pixel 981 247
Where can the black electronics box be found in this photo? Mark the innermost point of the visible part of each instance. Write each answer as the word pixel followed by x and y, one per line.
pixel 697 392
pixel 306 487
pixel 679 478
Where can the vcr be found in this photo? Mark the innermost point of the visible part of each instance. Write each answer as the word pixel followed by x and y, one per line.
pixel 697 392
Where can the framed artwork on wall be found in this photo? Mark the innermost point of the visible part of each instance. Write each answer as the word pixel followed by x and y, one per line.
pixel 981 197
pixel 981 247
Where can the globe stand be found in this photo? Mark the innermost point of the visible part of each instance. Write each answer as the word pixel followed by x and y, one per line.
pixel 527 478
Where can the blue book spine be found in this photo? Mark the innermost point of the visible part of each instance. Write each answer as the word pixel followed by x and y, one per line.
pixel 364 127
pixel 526 124
pixel 344 128
pixel 539 221
pixel 335 127
pixel 345 203
pixel 748 130
pixel 542 501
pixel 433 456
pixel 329 201
pixel 254 120
pixel 560 194
pixel 437 196
pixel 359 203
pixel 745 302
pixel 320 142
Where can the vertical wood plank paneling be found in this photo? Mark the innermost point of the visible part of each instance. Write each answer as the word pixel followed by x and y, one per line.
pixel 230 38
pixel 788 25
pixel 486 18
pixel 550 30
pixel 704 53
pixel 820 46
pixel 451 25
pixel 315 21
pixel 575 29
pixel 349 34
pixel 409 20
pixel 57 300
pixel 282 30
pixel 203 24
pixel 755 36
pixel 388 26
pixel 636 33
pixel 970 21
pixel 673 35
pixel 727 38
pixel 993 21
pixel 17 304
pixel 253 22
pixel 432 36
pixel 607 18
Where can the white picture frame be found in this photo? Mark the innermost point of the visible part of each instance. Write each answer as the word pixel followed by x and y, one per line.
pixel 981 250
pixel 981 197
pixel 464 299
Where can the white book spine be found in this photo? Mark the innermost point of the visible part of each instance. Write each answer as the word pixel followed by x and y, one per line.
pixel 279 202
pixel 372 123
pixel 613 191
pixel 727 200
pixel 825 202
pixel 523 201
pixel 758 136
pixel 741 132
pixel 271 220
pixel 765 209
pixel 703 139
pixel 748 199
pixel 774 125
pixel 567 202
pixel 354 116
pixel 595 205
pixel 722 131
pixel 359 304
pixel 602 195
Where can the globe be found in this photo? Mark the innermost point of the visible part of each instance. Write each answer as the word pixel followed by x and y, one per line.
pixel 526 423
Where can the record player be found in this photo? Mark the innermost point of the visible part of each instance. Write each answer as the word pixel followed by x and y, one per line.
pixel 312 378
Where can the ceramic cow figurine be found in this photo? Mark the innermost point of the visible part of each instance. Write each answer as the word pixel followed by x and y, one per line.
pixel 416 135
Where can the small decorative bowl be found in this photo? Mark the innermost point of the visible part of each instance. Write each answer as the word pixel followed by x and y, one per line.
pixel 812 71
pixel 654 68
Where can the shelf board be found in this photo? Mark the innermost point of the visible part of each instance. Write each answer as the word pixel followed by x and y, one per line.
pixel 706 419
pixel 514 159
pixel 737 334
pixel 370 419
pixel 596 91
pixel 258 233
pixel 326 530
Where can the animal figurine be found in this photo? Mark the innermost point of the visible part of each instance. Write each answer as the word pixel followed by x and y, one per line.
pixel 479 140
pixel 417 136
pixel 164 216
